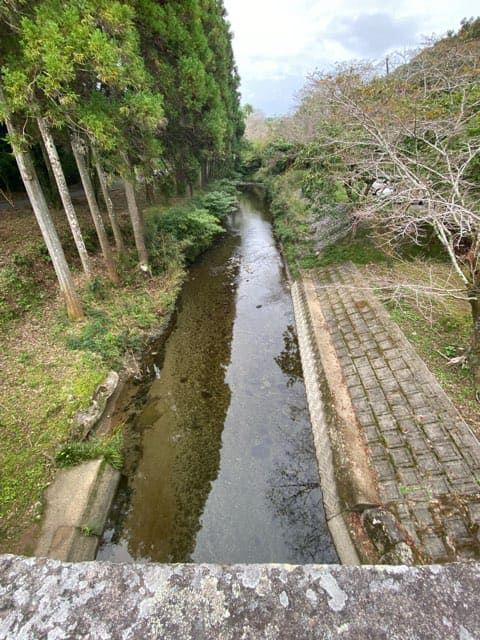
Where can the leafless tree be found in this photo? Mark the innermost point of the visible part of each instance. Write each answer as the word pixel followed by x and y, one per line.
pixel 418 129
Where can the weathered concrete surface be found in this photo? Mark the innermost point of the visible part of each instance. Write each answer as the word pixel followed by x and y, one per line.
pixel 47 599
pixel 102 400
pixel 424 458
pixel 323 419
pixel 77 504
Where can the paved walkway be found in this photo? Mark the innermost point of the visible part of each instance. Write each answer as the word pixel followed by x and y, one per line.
pixel 424 457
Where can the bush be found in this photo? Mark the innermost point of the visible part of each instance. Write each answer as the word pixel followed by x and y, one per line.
pixel 183 233
pixel 191 229
pixel 218 203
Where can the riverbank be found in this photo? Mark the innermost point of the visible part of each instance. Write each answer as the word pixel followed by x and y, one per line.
pixel 419 288
pixel 405 463
pixel 50 368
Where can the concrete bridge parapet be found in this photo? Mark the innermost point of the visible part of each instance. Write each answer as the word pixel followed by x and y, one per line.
pixel 49 599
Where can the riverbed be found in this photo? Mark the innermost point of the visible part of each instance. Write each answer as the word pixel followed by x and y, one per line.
pixel 228 471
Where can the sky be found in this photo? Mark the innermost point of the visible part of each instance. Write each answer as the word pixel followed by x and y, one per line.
pixel 278 42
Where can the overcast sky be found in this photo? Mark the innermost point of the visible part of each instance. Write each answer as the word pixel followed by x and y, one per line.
pixel 278 42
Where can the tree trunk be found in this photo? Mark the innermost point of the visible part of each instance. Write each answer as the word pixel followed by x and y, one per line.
pixel 109 204
pixel 149 198
pixel 42 214
pixel 137 225
pixel 55 197
pixel 59 176
pixel 474 299
pixel 78 152
pixel 180 181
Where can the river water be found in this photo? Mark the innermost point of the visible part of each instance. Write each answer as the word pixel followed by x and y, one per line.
pixel 228 472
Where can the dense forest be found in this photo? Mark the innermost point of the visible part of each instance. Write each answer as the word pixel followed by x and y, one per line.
pixel 393 147
pixel 135 90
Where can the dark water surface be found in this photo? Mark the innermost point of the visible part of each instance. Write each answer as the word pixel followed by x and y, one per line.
pixel 228 472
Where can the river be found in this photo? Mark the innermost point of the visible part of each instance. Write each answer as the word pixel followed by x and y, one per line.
pixel 227 471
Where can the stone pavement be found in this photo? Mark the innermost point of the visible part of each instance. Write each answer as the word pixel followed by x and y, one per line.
pixel 424 458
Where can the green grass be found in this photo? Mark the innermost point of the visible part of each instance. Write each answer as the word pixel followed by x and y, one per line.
pixel 359 249
pixel 74 453
pixel 440 330
pixel 34 416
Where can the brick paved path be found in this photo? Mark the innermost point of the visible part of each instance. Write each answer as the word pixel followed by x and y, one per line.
pixel 425 457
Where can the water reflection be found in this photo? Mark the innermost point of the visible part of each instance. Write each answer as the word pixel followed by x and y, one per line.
pixel 228 472
pixel 296 497
pixel 158 509
pixel 289 359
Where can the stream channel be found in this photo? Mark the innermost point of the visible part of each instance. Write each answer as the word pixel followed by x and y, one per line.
pixel 228 472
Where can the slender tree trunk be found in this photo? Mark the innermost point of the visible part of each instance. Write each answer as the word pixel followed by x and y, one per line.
pixel 61 183
pixel 109 204
pixel 42 214
pixel 148 192
pixel 137 225
pixel 55 197
pixel 180 181
pixel 78 152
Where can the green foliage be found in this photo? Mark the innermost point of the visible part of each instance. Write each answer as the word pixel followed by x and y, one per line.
pixel 99 335
pixel 279 155
pixel 193 228
pixel 251 158
pixel 218 203
pixel 19 290
pixel 183 233
pixel 358 249
pixel 88 531
pixel 110 449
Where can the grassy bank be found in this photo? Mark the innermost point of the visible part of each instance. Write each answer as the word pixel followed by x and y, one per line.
pixel 50 367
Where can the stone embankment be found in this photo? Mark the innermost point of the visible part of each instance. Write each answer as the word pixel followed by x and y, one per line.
pixel 398 461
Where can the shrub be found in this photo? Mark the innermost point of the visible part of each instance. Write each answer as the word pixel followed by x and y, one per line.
pixel 191 229
pixel 218 203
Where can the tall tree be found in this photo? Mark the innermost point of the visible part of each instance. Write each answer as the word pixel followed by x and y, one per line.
pixel 79 151
pixel 61 182
pixel 419 128
pixel 42 214
pixel 102 177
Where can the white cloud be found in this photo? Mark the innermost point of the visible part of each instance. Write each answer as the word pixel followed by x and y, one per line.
pixel 278 40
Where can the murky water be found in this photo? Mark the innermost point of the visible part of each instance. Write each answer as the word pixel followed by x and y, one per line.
pixel 228 472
